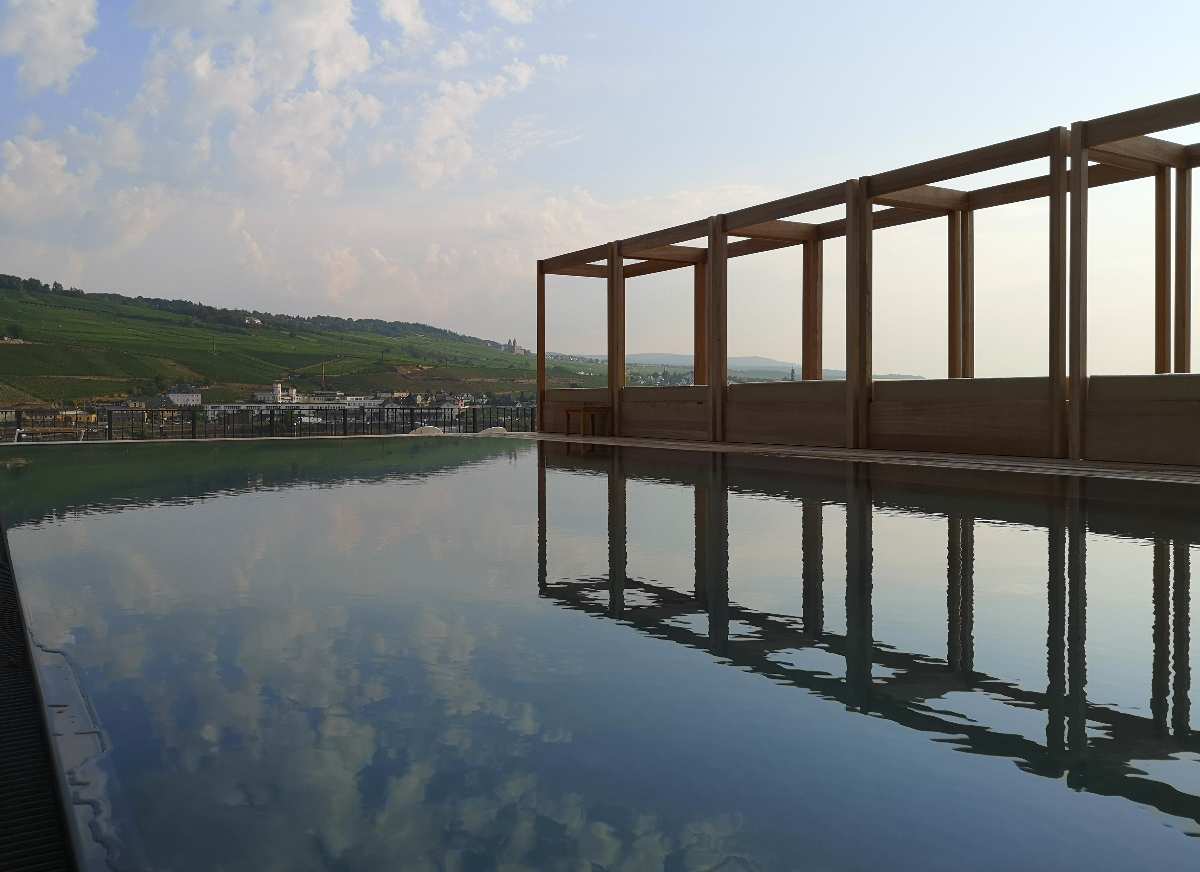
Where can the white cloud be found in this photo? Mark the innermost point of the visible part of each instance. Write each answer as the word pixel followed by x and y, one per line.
pixel 292 146
pixel 443 148
pixel 37 184
pixel 409 15
pixel 452 56
pixel 516 11
pixel 116 144
pixel 50 37
pixel 554 61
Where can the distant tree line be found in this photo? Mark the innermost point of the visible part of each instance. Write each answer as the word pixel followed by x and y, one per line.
pixel 238 318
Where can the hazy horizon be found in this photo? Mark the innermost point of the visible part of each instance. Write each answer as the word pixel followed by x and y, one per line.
pixel 411 160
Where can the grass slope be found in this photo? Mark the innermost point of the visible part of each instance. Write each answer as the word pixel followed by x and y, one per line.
pixel 81 347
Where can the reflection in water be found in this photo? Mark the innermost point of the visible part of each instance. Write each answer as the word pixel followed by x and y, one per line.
pixel 1105 762
pixel 336 659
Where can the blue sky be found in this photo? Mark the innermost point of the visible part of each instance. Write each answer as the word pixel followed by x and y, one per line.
pixel 411 159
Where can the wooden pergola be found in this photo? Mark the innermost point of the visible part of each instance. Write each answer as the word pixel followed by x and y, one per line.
pixel 1066 413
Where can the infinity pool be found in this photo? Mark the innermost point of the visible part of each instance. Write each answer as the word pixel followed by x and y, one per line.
pixel 466 653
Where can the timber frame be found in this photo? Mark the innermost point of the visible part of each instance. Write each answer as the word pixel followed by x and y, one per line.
pixel 1066 413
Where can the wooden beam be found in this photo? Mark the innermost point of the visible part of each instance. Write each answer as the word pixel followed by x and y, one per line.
pixel 1146 149
pixel 781 231
pixel 1039 186
pixel 1099 155
pixel 756 246
pixel 879 220
pixel 926 197
pixel 700 324
pixel 1162 270
pixel 809 201
pixel 1183 270
pixel 967 265
pixel 858 313
pixel 965 163
pixel 954 296
pixel 1148 119
pixel 1076 435
pixel 1193 155
pixel 541 347
pixel 576 258
pixel 616 334
pixel 648 267
pixel 668 253
pixel 669 236
pixel 587 270
pixel 1060 148
pixel 718 324
pixel 813 289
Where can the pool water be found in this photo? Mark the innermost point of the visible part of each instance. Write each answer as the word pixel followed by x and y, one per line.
pixel 469 653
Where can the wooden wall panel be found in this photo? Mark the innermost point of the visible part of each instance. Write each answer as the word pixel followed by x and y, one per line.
pixel 554 412
pixel 968 416
pixel 787 413
pixel 1144 418
pixel 682 412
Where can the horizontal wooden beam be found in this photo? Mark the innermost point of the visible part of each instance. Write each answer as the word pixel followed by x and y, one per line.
pixel 1035 188
pixel 880 219
pixel 1160 152
pixel 1115 159
pixel 648 267
pixel 1137 122
pixel 1193 155
pixel 669 253
pixel 926 197
pixel 781 231
pixel 809 201
pixel 668 236
pixel 965 163
pixel 575 258
pixel 754 246
pixel 586 270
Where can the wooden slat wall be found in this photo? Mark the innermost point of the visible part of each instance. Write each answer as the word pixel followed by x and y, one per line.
pixel 811 413
pixel 1144 418
pixel 553 414
pixel 968 416
pixel 678 412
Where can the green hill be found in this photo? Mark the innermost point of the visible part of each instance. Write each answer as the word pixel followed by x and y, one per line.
pixel 78 346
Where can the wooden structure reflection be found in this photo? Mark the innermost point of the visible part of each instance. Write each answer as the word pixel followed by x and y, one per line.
pixel 914 693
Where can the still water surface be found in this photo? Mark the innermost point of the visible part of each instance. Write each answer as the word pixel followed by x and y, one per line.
pixel 468 654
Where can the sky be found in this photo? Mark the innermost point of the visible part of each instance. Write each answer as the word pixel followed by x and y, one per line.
pixel 412 159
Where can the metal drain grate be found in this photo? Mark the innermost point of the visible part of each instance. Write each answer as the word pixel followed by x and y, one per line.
pixel 33 829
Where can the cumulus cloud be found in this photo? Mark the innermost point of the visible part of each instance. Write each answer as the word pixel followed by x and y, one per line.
pixel 49 37
pixel 37 184
pixel 410 15
pixel 453 55
pixel 516 11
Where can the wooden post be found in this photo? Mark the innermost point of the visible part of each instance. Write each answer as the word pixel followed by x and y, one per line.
pixel 701 547
pixel 954 592
pixel 954 292
pixel 858 312
pixel 700 324
pixel 618 555
pixel 1162 270
pixel 1183 270
pixel 1181 596
pixel 718 323
pixel 1076 623
pixel 1056 626
pixel 616 334
pixel 860 643
pixel 1076 435
pixel 541 347
pixel 1160 669
pixel 967 264
pixel 541 510
pixel 812 573
pixel 717 558
pixel 813 288
pixel 1060 147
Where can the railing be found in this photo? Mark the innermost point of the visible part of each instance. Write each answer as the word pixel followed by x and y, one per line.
pixel 21 425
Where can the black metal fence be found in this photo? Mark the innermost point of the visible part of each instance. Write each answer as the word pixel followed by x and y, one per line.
pixel 23 425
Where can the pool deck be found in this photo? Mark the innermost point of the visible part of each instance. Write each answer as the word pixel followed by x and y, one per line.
pixel 990 463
